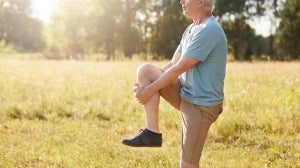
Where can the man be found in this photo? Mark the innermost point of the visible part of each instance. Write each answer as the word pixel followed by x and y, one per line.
pixel 200 63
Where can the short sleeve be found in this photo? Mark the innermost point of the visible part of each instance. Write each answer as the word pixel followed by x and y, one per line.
pixel 201 45
pixel 179 48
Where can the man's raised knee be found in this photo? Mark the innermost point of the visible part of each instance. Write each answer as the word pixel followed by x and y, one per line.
pixel 144 68
pixel 148 73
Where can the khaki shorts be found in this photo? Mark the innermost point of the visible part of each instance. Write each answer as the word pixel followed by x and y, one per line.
pixel 196 121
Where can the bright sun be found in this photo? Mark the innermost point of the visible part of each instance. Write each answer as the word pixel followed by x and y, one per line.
pixel 43 9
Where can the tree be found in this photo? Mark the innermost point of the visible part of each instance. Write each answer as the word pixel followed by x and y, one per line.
pixel 84 26
pixel 168 29
pixel 233 16
pixel 68 32
pixel 246 8
pixel 259 47
pixel 288 34
pixel 130 35
pixel 109 25
pixel 146 12
pixel 271 12
pixel 18 28
pixel 240 38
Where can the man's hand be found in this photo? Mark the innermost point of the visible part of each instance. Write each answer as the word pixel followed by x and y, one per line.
pixel 140 94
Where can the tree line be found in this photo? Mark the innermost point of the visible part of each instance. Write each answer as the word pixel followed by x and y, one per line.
pixel 150 29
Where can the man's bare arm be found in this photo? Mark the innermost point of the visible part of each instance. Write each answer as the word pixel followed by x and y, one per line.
pixel 182 65
pixel 173 62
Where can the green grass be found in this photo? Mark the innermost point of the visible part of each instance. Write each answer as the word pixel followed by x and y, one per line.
pixel 74 114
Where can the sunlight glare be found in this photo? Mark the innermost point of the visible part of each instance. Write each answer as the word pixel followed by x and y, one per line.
pixel 43 9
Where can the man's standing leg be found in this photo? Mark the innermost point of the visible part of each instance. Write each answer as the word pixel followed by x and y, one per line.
pixel 196 121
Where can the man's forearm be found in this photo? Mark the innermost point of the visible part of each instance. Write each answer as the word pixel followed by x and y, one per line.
pixel 168 76
pixel 173 62
pixel 164 80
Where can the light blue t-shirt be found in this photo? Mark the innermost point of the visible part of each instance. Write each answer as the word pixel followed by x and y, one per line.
pixel 203 84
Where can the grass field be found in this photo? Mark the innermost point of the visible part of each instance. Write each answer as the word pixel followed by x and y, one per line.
pixel 74 114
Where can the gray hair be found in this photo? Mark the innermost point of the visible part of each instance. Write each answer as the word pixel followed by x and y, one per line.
pixel 209 4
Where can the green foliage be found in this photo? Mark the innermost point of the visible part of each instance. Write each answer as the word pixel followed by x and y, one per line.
pixel 74 114
pixel 80 28
pixel 247 8
pixel 229 6
pixel 18 28
pixel 70 28
pixel 130 35
pixel 288 40
pixel 168 29
pixel 91 26
pixel 5 48
pixel 259 47
pixel 242 41
pixel 240 37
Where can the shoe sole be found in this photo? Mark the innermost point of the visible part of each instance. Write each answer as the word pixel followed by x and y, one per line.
pixel 149 146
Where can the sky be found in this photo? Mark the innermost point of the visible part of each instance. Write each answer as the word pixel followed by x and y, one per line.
pixel 43 8
pixel 262 26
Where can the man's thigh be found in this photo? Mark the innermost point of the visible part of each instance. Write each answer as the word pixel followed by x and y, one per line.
pixel 171 94
pixel 196 121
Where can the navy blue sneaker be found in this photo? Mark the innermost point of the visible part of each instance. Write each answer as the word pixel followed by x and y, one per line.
pixel 145 138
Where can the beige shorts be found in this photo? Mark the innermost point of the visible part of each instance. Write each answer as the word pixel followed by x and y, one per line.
pixel 196 121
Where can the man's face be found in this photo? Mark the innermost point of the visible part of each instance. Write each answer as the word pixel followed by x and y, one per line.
pixel 191 7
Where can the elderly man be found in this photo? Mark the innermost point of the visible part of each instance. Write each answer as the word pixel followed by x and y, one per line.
pixel 192 82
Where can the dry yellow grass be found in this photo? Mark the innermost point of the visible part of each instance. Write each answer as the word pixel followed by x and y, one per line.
pixel 74 114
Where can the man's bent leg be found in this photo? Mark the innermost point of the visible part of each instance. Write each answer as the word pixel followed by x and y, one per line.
pixel 150 137
pixel 171 94
pixel 146 74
